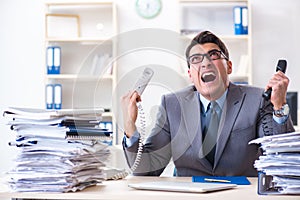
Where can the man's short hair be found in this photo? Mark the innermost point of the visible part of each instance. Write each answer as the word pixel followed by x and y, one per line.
pixel 203 38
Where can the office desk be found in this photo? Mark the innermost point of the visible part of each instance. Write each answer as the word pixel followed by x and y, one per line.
pixel 111 190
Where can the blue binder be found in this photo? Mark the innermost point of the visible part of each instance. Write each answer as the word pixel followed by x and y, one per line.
pixel 53 59
pixel 244 20
pixel 57 96
pixel 237 18
pixel 49 96
pixel 240 18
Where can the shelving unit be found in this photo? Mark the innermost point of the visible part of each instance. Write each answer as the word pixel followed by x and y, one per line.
pixel 217 16
pixel 85 31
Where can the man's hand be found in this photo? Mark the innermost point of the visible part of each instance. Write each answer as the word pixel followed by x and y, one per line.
pixel 130 111
pixel 279 84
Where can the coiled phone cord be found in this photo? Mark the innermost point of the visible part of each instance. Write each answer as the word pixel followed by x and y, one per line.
pixel 140 147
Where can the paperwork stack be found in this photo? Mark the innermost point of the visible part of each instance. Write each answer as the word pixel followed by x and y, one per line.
pixel 279 166
pixel 59 150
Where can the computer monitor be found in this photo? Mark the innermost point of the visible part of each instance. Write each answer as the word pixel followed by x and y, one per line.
pixel 292 101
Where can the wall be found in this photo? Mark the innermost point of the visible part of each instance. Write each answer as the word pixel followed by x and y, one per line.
pixel 22 61
pixel 275 30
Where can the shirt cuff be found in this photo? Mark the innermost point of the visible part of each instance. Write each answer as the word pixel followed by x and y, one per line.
pixel 130 141
pixel 280 120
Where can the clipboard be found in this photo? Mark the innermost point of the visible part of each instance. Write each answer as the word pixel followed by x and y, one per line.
pixel 238 180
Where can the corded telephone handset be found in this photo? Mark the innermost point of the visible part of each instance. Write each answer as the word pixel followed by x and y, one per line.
pixel 139 87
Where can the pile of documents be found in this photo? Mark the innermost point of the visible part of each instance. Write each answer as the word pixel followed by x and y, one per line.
pixel 281 161
pixel 58 150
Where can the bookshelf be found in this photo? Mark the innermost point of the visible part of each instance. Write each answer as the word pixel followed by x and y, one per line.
pixel 217 16
pixel 84 31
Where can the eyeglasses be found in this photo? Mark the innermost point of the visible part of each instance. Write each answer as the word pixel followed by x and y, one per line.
pixel 211 55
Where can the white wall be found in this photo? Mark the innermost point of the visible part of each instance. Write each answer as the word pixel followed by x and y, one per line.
pixel 22 61
pixel 276 30
pixel 275 34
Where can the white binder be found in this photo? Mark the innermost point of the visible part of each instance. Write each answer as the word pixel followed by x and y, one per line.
pixel 49 96
pixel 57 96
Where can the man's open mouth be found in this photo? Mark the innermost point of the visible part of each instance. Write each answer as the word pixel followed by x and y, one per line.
pixel 208 77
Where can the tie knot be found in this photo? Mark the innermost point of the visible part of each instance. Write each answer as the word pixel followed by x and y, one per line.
pixel 213 105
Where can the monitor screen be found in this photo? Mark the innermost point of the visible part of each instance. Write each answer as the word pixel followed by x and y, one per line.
pixel 292 101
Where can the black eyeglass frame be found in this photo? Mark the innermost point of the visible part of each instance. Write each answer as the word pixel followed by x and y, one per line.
pixel 207 55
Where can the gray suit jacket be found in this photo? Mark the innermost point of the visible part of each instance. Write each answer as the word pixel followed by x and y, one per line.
pixel 177 134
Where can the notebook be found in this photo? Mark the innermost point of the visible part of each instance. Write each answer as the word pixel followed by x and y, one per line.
pixel 174 186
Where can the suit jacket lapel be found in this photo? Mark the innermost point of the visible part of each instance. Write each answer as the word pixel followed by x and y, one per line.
pixel 191 116
pixel 229 114
pixel 191 113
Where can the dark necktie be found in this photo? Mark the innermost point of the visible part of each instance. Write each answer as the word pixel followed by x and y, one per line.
pixel 210 137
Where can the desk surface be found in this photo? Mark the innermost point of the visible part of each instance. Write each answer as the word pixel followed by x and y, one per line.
pixel 118 189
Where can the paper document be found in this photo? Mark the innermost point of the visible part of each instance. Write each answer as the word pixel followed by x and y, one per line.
pixel 280 163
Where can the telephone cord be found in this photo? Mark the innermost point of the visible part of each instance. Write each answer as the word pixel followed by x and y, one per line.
pixel 140 147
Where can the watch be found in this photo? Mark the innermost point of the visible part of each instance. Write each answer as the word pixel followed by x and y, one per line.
pixel 148 8
pixel 283 111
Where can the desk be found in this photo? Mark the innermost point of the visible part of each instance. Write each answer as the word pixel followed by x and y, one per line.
pixel 113 190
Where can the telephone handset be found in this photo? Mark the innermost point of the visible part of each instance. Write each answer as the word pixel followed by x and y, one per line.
pixel 281 66
pixel 139 87
pixel 143 81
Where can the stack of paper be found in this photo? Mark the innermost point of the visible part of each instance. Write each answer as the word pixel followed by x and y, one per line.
pixel 281 160
pixel 52 156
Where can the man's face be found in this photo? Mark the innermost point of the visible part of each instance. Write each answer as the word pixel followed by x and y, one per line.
pixel 210 77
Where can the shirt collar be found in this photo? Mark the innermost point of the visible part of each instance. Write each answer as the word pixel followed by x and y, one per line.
pixel 219 101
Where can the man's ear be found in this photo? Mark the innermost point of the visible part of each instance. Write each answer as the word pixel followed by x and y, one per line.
pixel 189 72
pixel 229 67
pixel 190 75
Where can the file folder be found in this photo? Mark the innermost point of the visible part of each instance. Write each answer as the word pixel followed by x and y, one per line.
pixel 237 18
pixel 57 96
pixel 56 59
pixel 49 60
pixel 239 180
pixel 244 20
pixel 53 59
pixel 106 125
pixel 49 96
pixel 265 185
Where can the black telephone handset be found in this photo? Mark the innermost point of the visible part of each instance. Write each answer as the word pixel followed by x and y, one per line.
pixel 281 66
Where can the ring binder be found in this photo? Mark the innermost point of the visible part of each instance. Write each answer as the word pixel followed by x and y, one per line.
pixel 53 59
pixel 240 18
pixel 49 96
pixel 57 96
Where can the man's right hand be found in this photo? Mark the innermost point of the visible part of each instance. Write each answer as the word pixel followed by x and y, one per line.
pixel 130 111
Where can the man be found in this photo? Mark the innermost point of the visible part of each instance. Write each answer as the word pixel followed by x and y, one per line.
pixel 183 132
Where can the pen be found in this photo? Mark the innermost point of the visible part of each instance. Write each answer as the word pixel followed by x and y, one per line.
pixel 216 180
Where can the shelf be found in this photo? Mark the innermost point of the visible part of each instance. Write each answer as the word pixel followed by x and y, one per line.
pixel 83 40
pixel 212 1
pixel 238 78
pixel 212 4
pixel 77 2
pixel 107 114
pixel 78 77
pixel 223 37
